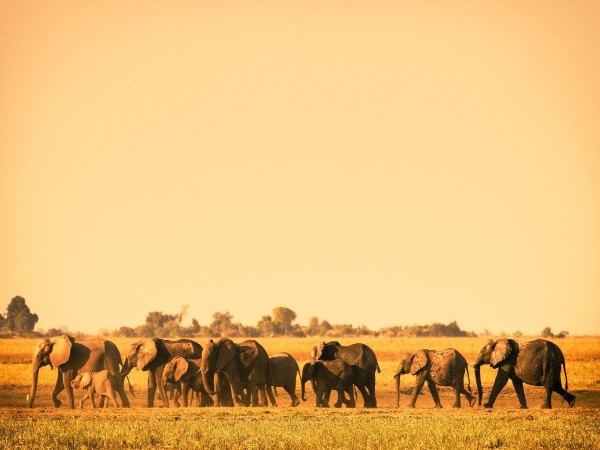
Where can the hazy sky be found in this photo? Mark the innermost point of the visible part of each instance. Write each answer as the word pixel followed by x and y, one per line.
pixel 371 163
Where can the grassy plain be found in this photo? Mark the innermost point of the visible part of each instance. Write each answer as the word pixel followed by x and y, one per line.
pixel 305 426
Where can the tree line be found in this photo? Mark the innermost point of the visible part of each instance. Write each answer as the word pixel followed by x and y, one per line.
pixel 20 321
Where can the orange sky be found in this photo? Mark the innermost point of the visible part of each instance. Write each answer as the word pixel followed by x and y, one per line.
pixel 370 163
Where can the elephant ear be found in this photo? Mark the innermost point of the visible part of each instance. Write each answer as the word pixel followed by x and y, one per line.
pixel 419 361
pixel 181 367
pixel 500 352
pixel 61 350
pixel 86 380
pixel 147 351
pixel 227 351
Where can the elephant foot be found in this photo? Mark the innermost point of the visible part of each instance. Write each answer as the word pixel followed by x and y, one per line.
pixel 472 402
pixel 488 405
pixel 544 406
pixel 411 406
pixel 572 402
pixel 57 402
pixel 439 406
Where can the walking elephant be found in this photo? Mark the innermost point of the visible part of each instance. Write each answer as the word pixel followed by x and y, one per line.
pixel 152 354
pixel 283 370
pixel 537 363
pixel 361 358
pixel 445 368
pixel 326 376
pixel 246 366
pixel 74 357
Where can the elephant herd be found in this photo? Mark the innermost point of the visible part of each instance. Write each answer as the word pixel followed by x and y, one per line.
pixel 225 373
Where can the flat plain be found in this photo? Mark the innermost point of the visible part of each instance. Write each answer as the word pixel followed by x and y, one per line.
pixel 307 427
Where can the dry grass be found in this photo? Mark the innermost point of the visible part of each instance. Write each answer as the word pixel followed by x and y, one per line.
pixel 307 427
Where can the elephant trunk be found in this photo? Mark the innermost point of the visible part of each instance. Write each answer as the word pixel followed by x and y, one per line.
pixel 33 390
pixel 477 370
pixel 303 383
pixel 207 381
pixel 398 390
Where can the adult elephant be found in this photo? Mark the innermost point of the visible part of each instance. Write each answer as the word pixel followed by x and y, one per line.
pixel 246 366
pixel 441 368
pixel 361 358
pixel 75 357
pixel 537 363
pixel 152 354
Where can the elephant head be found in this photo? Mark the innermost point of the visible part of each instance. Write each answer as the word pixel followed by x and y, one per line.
pixel 411 363
pixel 175 369
pixel 215 357
pixel 141 354
pixel 82 381
pixel 493 353
pixel 55 351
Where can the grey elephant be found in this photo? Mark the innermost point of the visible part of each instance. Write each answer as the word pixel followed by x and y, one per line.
pixel 283 370
pixel 102 383
pixel 246 366
pixel 184 375
pixel 326 376
pixel 152 354
pixel 72 357
pixel 361 358
pixel 537 363
pixel 443 368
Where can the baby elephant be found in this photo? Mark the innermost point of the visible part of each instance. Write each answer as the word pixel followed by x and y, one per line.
pixel 445 368
pixel 102 382
pixel 184 375
pixel 326 376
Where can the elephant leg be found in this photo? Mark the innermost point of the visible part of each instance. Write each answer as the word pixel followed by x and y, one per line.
pixel 371 388
pixel 557 387
pixel 151 388
pixel 351 400
pixel 93 396
pixel 499 383
pixel 269 390
pixel 419 381
pixel 291 392
pixel 340 398
pixel 67 377
pixel 470 397
pixel 185 390
pixel 57 389
pixel 434 393
pixel 365 395
pixel 158 373
pixel 518 385
pixel 86 395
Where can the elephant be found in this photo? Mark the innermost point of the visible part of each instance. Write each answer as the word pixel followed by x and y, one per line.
pixel 151 354
pixel 184 375
pixel 326 376
pixel 72 357
pixel 537 363
pixel 246 366
pixel 445 368
pixel 283 370
pixel 102 382
pixel 363 361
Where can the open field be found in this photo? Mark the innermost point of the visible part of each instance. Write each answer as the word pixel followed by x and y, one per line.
pixel 305 426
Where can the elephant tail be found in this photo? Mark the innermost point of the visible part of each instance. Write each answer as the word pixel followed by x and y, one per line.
pixel 377 365
pixel 468 380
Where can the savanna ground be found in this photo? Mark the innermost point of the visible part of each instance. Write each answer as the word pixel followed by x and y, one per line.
pixel 305 426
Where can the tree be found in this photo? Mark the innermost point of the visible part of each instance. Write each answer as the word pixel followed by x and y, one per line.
pixel 221 324
pixel 19 318
pixel 313 326
pixel 266 326
pixel 547 333
pixel 284 317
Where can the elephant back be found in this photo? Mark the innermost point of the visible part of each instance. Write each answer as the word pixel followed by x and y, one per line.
pixel 186 348
pixel 531 358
